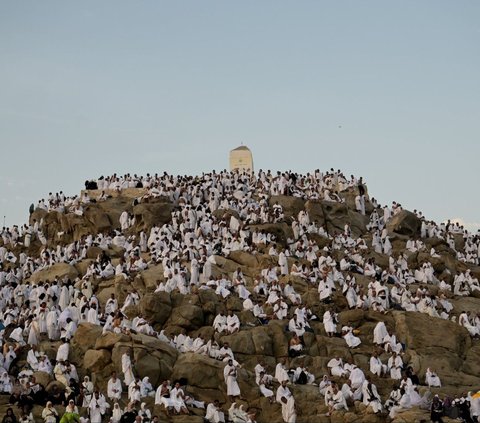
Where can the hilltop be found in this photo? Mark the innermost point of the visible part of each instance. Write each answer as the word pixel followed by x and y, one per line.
pixel 125 235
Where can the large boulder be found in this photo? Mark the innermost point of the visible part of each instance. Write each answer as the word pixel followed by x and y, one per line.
pixel 187 316
pixel 156 308
pixel 59 270
pixel 404 223
pixel 200 371
pixel 98 220
pixel 282 231
pixel 95 360
pixel 152 276
pixel 108 340
pixel 291 205
pixel 240 342
pixel 156 212
pixel 42 378
pixel 84 339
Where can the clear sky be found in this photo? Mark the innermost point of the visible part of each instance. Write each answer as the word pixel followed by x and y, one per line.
pixel 385 90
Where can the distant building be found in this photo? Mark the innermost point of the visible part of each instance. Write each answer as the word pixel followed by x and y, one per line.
pixel 241 158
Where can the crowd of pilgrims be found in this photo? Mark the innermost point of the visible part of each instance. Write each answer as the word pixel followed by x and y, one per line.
pixel 187 248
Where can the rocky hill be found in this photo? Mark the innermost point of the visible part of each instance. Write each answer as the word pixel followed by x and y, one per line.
pixel 432 342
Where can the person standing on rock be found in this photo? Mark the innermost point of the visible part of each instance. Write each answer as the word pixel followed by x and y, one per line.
pixel 330 322
pixel 230 376
pixel 283 263
pixel 285 398
pixel 127 369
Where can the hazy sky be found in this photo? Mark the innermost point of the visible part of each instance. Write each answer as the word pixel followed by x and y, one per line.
pixel 385 90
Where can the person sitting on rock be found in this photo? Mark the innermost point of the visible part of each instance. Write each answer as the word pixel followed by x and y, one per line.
pixel 336 400
pixel 214 413
pixel 432 379
pixel 233 322
pixel 403 404
pixel 177 395
pixel 295 346
pixel 376 365
pixel 49 414
pixel 114 387
pixel 370 396
pixel 351 340
pixel 220 322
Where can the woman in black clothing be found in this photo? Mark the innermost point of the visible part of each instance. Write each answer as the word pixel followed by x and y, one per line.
pixel 9 416
pixel 436 411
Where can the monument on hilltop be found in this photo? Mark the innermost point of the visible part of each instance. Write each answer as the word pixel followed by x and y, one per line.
pixel 241 158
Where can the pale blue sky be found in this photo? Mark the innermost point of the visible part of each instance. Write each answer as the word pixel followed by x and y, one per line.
pixel 90 88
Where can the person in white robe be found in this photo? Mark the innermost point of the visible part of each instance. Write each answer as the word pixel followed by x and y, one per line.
pixel 162 396
pixel 146 388
pixel 351 340
pixel 97 408
pixel 177 395
pixel 264 383
pixel 117 413
pixel 53 329
pixel 127 370
pixel 330 322
pixel 357 379
pixel 379 333
pixel 336 400
pixel 432 379
pixel 370 396
pixel 391 344
pixel 237 414
pixel 285 398
pixel 214 413
pixel 376 365
pixel 324 385
pixel 220 322
pixel 5 383
pixel 114 388
pixel 404 404
pixel 233 322
pixel 281 373
pixel 33 333
pixel 283 263
pixel 464 320
pixel 63 351
pixel 32 358
pixel 296 326
pixel 230 376
pixel 49 413
pixel 395 365
pixel 336 367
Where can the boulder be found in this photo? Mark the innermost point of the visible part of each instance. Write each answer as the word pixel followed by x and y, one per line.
pixel 157 212
pixel 84 339
pixel 152 276
pixel 200 371
pixel 96 360
pixel 291 205
pixel 156 307
pixel 404 223
pixel 240 342
pixel 187 316
pixel 59 270
pixel 108 340
pixel 42 378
